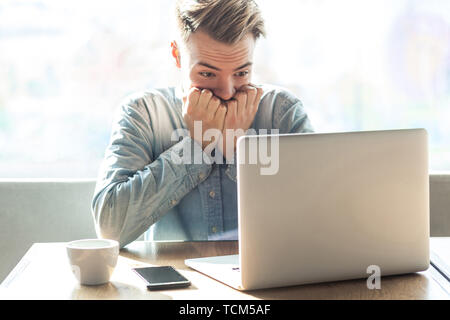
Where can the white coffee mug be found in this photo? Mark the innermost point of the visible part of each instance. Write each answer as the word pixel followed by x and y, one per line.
pixel 93 260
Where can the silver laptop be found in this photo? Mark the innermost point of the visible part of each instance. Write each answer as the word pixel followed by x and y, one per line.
pixel 337 204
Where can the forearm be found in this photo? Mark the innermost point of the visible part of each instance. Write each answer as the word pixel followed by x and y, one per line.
pixel 125 208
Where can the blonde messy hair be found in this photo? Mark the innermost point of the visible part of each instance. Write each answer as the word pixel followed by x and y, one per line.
pixel 226 21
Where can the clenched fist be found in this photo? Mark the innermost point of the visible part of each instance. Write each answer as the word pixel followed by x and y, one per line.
pixel 202 105
pixel 241 111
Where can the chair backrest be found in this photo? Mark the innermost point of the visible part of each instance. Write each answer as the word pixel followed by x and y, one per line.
pixel 42 211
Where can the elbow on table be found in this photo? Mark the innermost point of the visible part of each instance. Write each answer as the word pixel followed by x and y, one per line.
pixel 106 232
pixel 108 223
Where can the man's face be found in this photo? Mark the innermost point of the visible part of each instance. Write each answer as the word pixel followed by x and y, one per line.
pixel 221 68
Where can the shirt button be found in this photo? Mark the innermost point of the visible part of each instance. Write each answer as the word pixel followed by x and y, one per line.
pixel 174 202
pixel 214 229
pixel 212 193
pixel 201 175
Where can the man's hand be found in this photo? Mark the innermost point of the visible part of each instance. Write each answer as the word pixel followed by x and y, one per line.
pixel 240 114
pixel 202 105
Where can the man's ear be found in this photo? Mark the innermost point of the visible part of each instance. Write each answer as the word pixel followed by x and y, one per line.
pixel 176 53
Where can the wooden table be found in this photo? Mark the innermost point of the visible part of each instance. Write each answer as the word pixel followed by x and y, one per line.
pixel 44 273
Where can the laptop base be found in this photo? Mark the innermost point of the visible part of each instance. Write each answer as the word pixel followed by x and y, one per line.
pixel 221 268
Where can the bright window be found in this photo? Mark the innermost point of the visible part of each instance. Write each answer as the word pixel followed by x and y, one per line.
pixel 356 65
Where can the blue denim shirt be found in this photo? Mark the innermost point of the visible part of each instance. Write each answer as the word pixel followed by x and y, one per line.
pixel 141 189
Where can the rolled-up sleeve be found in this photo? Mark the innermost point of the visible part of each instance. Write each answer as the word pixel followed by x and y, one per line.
pixel 289 114
pixel 135 187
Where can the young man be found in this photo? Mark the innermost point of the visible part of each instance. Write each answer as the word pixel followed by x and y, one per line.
pixel 142 185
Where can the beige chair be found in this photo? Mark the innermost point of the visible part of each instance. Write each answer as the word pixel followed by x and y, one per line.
pixel 42 211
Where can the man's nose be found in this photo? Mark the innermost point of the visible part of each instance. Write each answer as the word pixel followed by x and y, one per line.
pixel 225 91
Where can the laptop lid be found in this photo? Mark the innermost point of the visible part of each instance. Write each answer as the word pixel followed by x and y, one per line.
pixel 325 207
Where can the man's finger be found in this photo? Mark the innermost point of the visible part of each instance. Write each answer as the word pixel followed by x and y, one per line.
pixel 232 110
pixel 203 101
pixel 221 113
pixel 241 102
pixel 254 85
pixel 257 99
pixel 212 107
pixel 251 95
pixel 191 99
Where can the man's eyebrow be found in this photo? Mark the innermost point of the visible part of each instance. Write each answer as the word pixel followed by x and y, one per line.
pixel 215 68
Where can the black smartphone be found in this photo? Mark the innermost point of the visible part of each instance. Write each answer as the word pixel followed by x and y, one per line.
pixel 165 277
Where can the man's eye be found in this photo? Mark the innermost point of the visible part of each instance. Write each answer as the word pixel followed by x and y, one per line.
pixel 206 74
pixel 242 73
